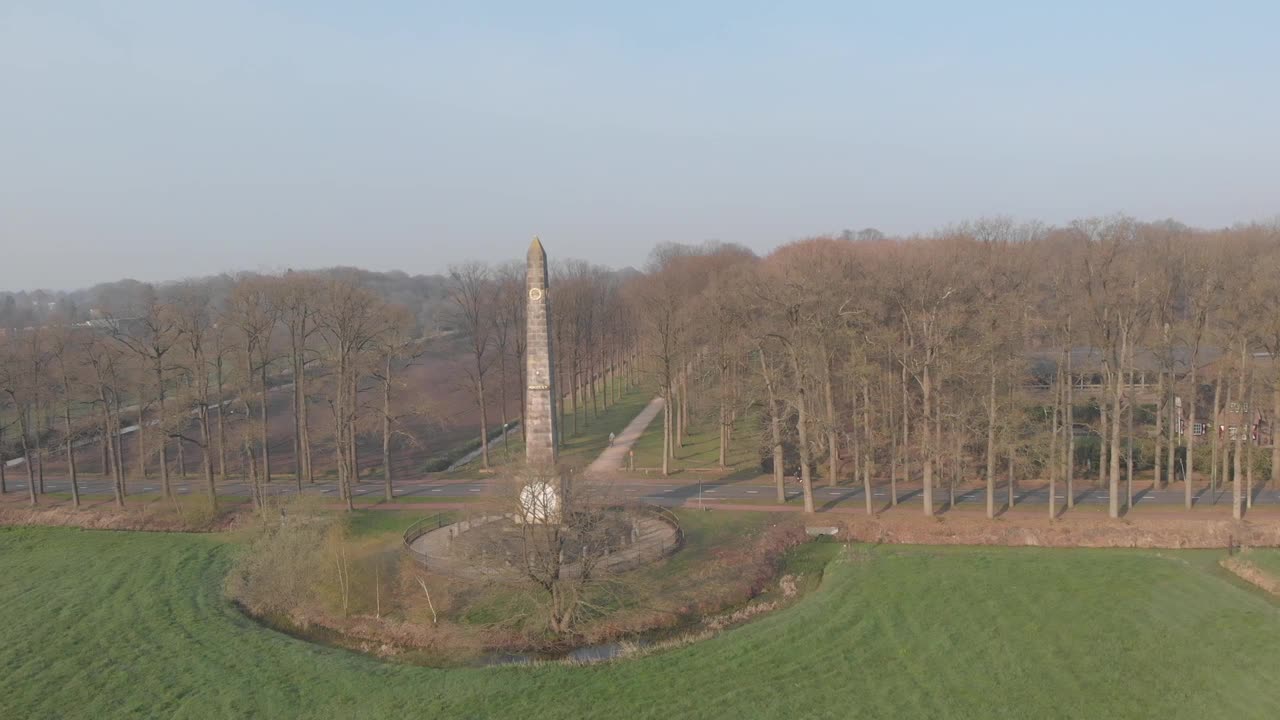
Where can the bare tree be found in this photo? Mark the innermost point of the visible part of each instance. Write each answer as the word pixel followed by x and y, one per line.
pixel 396 349
pixel 251 310
pixel 63 349
pixel 350 319
pixel 471 291
pixel 297 298
pixel 194 324
pixel 151 337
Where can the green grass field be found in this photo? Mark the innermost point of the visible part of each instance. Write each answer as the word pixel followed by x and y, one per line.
pixel 114 624
pixel 701 449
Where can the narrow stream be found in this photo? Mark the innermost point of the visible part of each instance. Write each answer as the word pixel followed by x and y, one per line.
pixel 584 654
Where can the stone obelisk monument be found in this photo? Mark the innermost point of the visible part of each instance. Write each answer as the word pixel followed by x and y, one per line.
pixel 541 435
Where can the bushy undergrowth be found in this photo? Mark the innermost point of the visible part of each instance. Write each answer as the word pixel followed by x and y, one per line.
pixel 287 562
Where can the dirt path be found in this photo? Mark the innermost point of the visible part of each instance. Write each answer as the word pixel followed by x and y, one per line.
pixel 611 460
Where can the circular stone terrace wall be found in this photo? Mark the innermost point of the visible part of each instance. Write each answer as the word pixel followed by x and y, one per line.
pixel 434 544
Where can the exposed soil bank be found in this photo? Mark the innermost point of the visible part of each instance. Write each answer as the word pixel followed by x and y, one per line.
pixel 1252 574
pixel 153 516
pixel 1168 532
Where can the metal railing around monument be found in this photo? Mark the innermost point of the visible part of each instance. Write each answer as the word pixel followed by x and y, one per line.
pixel 424 526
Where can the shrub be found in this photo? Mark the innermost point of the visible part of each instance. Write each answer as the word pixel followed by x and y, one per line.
pixel 287 561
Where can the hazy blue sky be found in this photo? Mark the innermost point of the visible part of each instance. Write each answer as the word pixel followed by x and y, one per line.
pixel 162 139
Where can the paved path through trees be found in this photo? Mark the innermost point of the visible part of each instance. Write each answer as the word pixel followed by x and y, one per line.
pixel 613 458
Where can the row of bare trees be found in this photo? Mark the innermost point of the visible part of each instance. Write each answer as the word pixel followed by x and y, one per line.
pixel 184 373
pixel 985 353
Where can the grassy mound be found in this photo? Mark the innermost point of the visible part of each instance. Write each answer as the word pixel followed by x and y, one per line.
pixel 109 624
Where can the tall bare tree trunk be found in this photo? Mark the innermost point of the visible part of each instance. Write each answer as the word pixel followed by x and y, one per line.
pixel 387 492
pixel 681 391
pixel 107 438
pixel 775 431
pixel 991 445
pixel 39 456
pixel 1103 435
pixel 1171 422
pixel 1275 432
pixel 1213 433
pixel 164 453
pixel 142 449
pixel 1053 443
pixel 26 457
pixel 1248 442
pixel 802 435
pixel 575 376
pixel 666 432
pixel 1069 465
pixel 1158 458
pixel 906 433
pixel 206 455
pixel 724 419
pixel 71 452
pixel 119 444
pixel 1237 497
pixel 484 417
pixel 1189 471
pixel 352 433
pixel 1224 475
pixel 866 456
pixel 926 449
pixel 1133 399
pixel 684 403
pixel 1012 482
pixel 262 408
pixel 1117 385
pixel 833 451
pixel 502 400
pixel 222 427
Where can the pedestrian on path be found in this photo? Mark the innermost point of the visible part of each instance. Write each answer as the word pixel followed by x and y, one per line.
pixel 610 439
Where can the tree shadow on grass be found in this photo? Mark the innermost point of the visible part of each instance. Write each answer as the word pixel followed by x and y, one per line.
pixel 1257 491
pixel 1198 496
pixel 1141 495
pixel 1080 497
pixel 833 502
pixel 741 475
pixel 1023 494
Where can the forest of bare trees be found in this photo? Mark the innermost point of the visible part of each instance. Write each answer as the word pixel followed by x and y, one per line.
pixel 1108 354
pixel 992 352
pixel 198 370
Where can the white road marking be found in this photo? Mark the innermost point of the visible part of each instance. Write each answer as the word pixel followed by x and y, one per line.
pixel 436 490
pixel 752 492
pixel 475 489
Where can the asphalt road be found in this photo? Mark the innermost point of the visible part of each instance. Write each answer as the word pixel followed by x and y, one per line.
pixel 667 492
